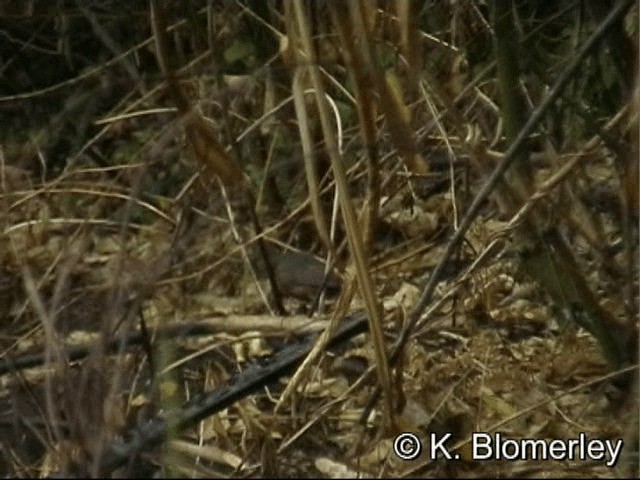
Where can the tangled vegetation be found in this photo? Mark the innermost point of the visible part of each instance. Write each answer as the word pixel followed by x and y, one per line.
pixel 193 191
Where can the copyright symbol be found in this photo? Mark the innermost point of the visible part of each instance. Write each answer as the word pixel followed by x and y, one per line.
pixel 407 446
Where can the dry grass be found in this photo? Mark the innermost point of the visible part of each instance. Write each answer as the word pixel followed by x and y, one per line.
pixel 366 153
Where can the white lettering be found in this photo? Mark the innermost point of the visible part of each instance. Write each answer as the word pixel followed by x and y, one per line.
pixel 481 440
pixel 515 451
pixel 613 452
pixel 438 445
pixel 558 450
pixel 538 449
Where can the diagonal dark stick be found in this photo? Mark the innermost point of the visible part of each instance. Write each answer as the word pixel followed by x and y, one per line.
pixel 510 155
pixel 155 431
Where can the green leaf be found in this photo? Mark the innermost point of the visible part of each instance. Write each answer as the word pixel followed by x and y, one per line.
pixel 239 50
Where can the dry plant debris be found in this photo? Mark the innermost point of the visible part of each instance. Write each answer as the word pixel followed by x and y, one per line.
pixel 115 226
